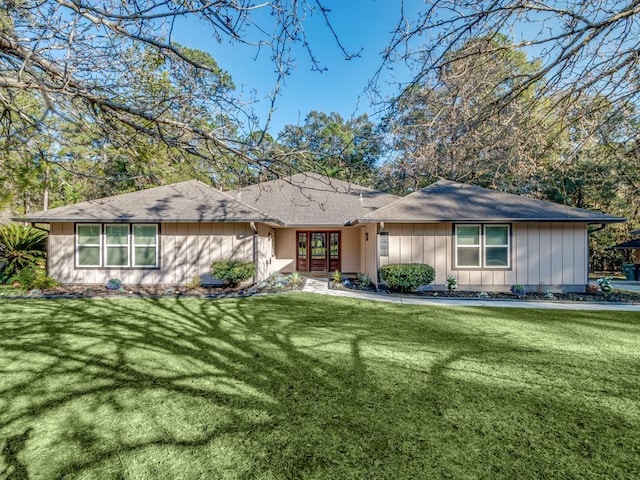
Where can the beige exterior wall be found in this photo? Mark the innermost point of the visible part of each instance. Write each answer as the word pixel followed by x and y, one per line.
pixel 285 250
pixel 544 255
pixel 370 251
pixel 185 250
pixel 547 256
pixel 351 246
pixel 265 264
pixel 352 255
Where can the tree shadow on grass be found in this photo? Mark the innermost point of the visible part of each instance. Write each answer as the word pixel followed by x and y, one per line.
pixel 15 468
pixel 283 386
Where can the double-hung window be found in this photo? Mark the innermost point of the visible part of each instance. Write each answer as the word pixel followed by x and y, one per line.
pixel 482 246
pixel 145 245
pixel 117 245
pixel 89 245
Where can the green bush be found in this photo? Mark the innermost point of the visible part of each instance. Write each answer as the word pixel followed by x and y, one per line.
pixel 233 271
pixel 406 277
pixel 34 277
pixel 20 247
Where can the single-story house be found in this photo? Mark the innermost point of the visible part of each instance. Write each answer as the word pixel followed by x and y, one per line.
pixel 310 223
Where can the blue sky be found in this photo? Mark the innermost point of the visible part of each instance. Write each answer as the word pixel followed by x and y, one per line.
pixel 362 25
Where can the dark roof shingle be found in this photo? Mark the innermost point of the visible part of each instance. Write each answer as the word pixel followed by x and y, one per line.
pixel 307 199
pixel 446 201
pixel 191 201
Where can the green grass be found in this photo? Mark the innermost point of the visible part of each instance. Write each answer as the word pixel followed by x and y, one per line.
pixel 8 290
pixel 303 386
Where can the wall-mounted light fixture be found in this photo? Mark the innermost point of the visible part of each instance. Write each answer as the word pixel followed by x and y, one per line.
pixel 366 236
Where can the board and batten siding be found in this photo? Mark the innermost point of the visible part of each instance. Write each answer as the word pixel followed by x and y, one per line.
pixel 265 264
pixel 547 256
pixel 370 251
pixel 185 250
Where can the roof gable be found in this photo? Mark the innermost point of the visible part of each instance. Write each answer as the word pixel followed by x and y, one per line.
pixel 446 201
pixel 307 199
pixel 190 201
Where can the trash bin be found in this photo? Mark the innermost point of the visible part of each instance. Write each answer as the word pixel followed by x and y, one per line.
pixel 629 270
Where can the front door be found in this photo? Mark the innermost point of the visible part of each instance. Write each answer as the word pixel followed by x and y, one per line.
pixel 318 251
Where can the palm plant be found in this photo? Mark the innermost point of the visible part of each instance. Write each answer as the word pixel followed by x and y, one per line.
pixel 21 247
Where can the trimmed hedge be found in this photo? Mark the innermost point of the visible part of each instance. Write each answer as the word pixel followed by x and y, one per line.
pixel 406 277
pixel 233 271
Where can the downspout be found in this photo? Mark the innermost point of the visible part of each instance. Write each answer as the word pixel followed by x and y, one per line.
pixel 597 229
pixel 255 250
pixel 39 228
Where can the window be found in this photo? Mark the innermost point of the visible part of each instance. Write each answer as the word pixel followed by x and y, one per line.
pixel 88 244
pixel 467 245
pixel 383 244
pixel 145 245
pixel 116 245
pixel 496 248
pixel 486 246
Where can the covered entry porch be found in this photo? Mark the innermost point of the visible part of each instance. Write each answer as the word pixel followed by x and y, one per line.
pixel 321 250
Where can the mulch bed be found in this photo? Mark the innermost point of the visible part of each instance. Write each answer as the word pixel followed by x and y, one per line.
pixel 100 291
pixel 617 297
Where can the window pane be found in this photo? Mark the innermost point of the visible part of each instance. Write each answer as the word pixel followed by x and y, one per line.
pixel 144 234
pixel 117 256
pixel 497 235
pixel 88 234
pixel 497 257
pixel 468 257
pixel 117 234
pixel 319 245
pixel 88 256
pixel 302 244
pixel 145 256
pixel 468 235
pixel 334 243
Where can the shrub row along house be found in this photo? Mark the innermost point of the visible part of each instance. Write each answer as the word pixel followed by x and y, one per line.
pixel 310 223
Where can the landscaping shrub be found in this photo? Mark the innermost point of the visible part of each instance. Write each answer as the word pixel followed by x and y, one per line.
pixel 518 290
pixel 233 271
pixel 34 277
pixel 20 247
pixel 406 277
pixel 195 282
pixel 295 279
pixel 114 284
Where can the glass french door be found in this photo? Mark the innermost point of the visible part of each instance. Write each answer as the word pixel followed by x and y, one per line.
pixel 318 251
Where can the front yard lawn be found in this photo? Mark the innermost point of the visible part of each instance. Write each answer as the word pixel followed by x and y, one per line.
pixel 304 386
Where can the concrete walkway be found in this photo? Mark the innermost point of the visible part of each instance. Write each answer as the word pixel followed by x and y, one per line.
pixel 626 285
pixel 321 286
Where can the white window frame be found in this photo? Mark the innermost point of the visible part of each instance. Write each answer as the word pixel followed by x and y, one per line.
pixel 476 247
pixel 485 246
pixel 99 244
pixel 482 246
pixel 107 245
pixel 134 245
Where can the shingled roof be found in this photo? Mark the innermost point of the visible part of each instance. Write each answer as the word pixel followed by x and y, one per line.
pixel 309 199
pixel 191 201
pixel 446 201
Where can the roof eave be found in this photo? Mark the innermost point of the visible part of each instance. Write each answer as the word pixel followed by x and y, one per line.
pixel 589 221
pixel 143 220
